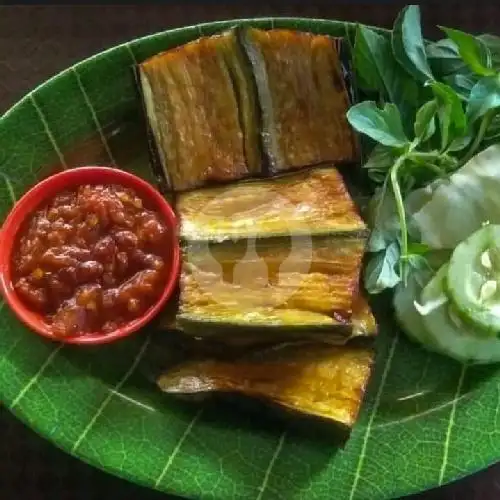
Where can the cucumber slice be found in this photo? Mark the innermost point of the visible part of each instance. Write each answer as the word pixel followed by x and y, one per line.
pixel 448 334
pixel 474 280
pixel 433 295
pixel 440 330
pixel 406 313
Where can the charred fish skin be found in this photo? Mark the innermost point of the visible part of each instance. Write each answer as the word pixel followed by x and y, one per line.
pixel 193 110
pixel 303 98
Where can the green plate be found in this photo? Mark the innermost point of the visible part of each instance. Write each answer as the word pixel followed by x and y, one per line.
pixel 426 420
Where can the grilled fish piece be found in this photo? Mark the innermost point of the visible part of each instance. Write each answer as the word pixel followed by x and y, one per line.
pixel 315 201
pixel 200 105
pixel 278 283
pixel 361 326
pixel 323 382
pixel 303 98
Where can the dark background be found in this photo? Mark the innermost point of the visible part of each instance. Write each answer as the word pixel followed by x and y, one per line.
pixel 40 40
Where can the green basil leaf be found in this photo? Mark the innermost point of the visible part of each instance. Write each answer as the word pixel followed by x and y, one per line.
pixel 492 42
pixel 408 44
pixel 425 123
pixel 417 249
pixel 493 131
pixel 420 269
pixel 378 70
pixel 472 50
pixel 381 125
pixel 444 58
pixel 379 162
pixel 461 83
pixel 380 272
pixel 460 143
pixel 383 219
pixel 484 96
pixel 367 48
pixel 381 158
pixel 452 118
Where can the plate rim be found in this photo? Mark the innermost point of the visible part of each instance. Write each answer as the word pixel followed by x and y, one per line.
pixel 214 26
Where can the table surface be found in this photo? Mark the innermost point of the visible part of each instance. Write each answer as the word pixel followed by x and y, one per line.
pixel 38 41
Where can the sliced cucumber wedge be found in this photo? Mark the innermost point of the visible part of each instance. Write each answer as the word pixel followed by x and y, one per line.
pixel 448 334
pixel 433 294
pixel 473 280
pixel 440 329
pixel 410 320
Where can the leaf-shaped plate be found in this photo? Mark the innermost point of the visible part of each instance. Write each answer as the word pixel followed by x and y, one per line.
pixel 426 420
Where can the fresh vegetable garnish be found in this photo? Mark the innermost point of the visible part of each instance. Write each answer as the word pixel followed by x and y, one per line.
pixel 462 204
pixel 431 117
pixel 430 108
pixel 441 328
pixel 473 279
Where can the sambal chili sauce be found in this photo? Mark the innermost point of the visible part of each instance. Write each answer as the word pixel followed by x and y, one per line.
pixel 91 260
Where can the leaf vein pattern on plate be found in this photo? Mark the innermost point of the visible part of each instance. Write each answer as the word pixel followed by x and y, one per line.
pixel 263 486
pixel 178 447
pixel 112 392
pixel 49 133
pixel 7 353
pixel 94 117
pixel 10 189
pixel 37 375
pixel 416 416
pixel 372 417
pixel 451 422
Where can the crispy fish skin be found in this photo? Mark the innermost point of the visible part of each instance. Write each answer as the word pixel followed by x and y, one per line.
pixel 314 201
pixel 303 98
pixel 192 108
pixel 295 282
pixel 325 382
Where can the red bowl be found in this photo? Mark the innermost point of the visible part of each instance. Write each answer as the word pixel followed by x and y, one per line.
pixel 43 192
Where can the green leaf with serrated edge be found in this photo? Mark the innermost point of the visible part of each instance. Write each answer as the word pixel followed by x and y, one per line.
pixel 424 420
pixel 408 44
pixel 425 124
pixel 484 97
pixel 472 50
pixel 382 125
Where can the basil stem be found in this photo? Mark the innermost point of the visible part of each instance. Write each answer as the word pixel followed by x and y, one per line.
pixel 396 189
pixel 485 123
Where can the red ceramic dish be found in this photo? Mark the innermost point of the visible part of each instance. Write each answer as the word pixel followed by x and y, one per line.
pixel 45 191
